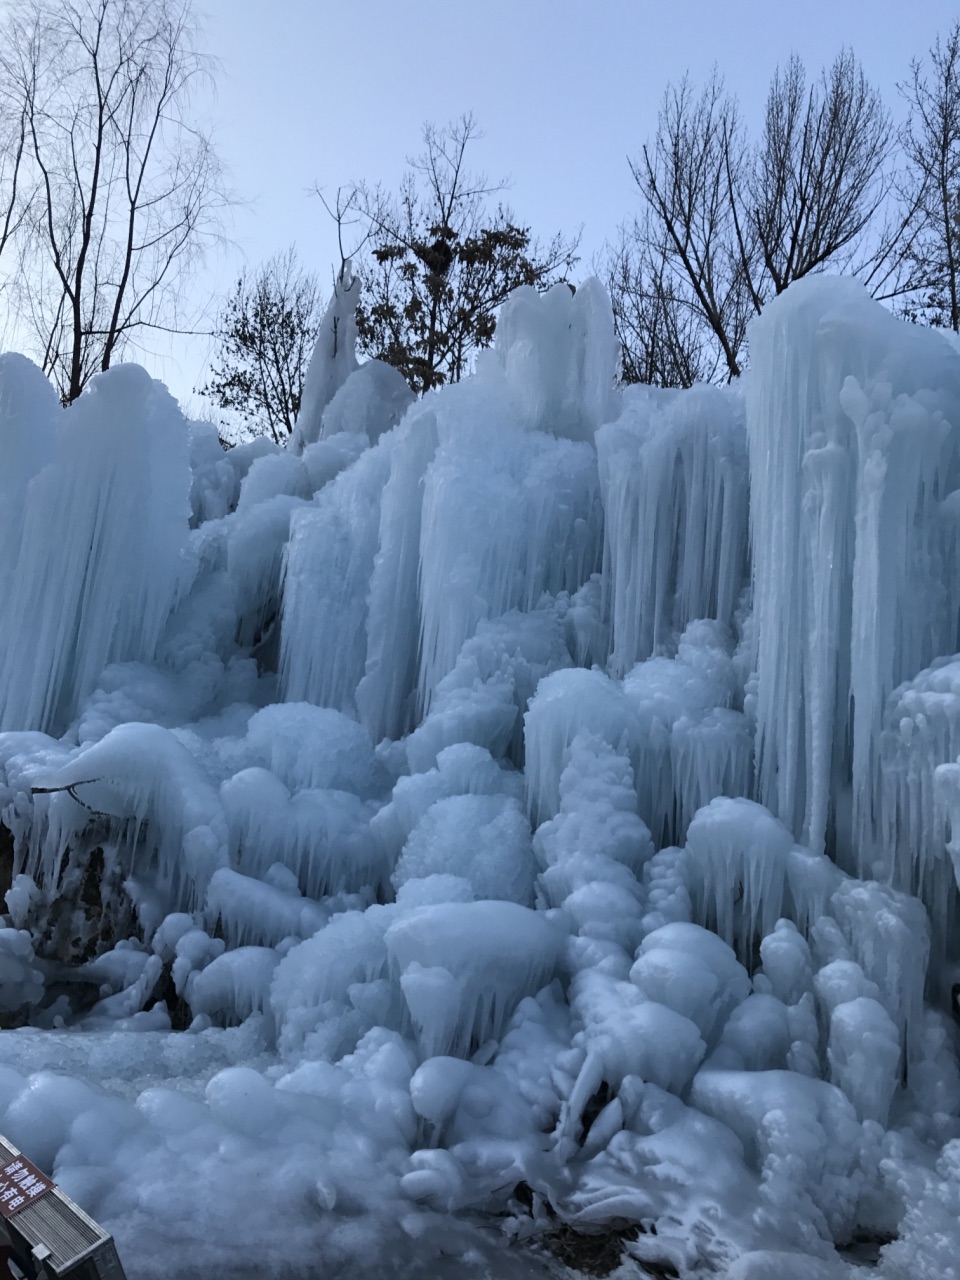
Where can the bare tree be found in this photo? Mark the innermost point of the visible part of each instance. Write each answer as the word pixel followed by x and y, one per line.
pixel 685 177
pixel 662 340
pixel 266 335
pixel 127 188
pixel 817 179
pixel 14 198
pixel 440 260
pixel 726 224
pixel 931 146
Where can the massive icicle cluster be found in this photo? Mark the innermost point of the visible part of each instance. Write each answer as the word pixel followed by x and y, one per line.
pixel 542 798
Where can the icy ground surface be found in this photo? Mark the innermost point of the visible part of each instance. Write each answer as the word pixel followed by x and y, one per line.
pixel 513 817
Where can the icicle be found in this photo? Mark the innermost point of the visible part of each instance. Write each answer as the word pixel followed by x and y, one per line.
pixel 322 837
pixel 144 782
pixel 673 474
pixel 29 417
pixel 921 733
pixel 737 867
pixel 850 458
pixel 507 516
pixel 566 704
pixel 385 695
pixel 101 559
pixel 328 566
pixel 234 985
pixel 252 911
pixel 691 745
pixel 463 967
pixel 484 697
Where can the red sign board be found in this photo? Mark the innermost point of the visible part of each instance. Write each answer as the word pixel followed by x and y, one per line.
pixel 21 1183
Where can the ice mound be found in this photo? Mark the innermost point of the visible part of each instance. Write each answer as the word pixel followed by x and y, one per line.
pixel 692 972
pixel 371 401
pixel 496 857
pixel 800 1135
pixel 464 966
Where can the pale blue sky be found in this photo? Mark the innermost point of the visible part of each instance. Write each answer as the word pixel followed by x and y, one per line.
pixel 313 92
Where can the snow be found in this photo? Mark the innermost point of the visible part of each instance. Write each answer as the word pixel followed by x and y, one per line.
pixel 534 804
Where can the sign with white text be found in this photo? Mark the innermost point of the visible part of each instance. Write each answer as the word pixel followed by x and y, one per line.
pixel 21 1183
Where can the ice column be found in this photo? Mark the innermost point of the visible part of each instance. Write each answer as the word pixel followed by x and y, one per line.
pixel 850 455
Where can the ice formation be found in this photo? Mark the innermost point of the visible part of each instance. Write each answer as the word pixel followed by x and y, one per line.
pixel 534 804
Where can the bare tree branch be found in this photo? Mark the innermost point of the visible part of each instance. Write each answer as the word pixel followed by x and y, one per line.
pixel 726 225
pixel 930 142
pixel 126 190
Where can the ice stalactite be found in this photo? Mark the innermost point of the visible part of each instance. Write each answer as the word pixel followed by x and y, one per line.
pixel 141 799
pixel 385 696
pixel 738 866
pixel 919 741
pixel 264 912
pixel 842 435
pixel 322 837
pixel 29 416
pixel 328 565
pixel 257 532
pixel 463 967
pixel 568 703
pixel 503 523
pixel 104 530
pixel 906 588
pixel 673 473
pixel 482 699
pixel 693 744
pixel 674 718
pixel 234 985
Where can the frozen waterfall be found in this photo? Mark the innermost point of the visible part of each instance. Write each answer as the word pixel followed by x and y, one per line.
pixel 540 799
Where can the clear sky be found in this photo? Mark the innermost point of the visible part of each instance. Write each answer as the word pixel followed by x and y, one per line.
pixel 564 90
